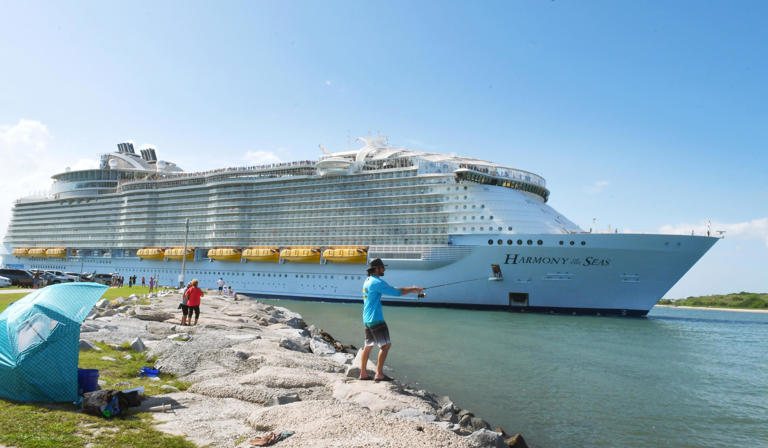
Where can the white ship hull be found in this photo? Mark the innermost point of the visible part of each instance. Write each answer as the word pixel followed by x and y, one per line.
pixel 611 274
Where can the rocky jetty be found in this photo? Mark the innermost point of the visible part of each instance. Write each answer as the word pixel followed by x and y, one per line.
pixel 254 368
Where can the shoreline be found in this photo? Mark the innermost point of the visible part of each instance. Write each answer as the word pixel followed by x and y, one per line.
pixel 254 368
pixel 738 310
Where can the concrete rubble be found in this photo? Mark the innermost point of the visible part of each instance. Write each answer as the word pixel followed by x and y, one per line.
pixel 255 368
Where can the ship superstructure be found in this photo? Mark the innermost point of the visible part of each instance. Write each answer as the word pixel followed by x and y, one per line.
pixel 305 229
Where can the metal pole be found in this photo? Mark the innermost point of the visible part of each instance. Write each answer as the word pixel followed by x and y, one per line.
pixel 184 254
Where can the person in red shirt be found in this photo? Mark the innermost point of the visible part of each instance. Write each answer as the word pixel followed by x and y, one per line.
pixel 193 302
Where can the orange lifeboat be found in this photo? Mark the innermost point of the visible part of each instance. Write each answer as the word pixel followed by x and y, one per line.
pixel 304 254
pixel 262 253
pixel 177 253
pixel 37 252
pixel 225 254
pixel 21 252
pixel 151 253
pixel 56 252
pixel 356 255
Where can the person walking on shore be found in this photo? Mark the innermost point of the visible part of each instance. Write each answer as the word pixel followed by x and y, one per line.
pixel 376 330
pixel 143 281
pixel 194 294
pixel 151 283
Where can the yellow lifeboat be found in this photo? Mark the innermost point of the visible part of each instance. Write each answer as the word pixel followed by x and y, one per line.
pixel 358 255
pixel 56 252
pixel 304 254
pixel 262 253
pixel 176 253
pixel 37 252
pixel 151 253
pixel 21 252
pixel 224 254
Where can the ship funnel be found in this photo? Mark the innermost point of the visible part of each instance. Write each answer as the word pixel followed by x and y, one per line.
pixel 125 148
pixel 149 154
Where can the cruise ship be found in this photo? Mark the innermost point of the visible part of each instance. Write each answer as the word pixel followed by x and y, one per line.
pixel 477 234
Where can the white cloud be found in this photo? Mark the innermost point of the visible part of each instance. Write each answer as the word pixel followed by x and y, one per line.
pixel 748 230
pixel 261 157
pixel 597 187
pixel 28 163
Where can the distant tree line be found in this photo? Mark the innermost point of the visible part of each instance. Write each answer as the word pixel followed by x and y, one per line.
pixel 744 300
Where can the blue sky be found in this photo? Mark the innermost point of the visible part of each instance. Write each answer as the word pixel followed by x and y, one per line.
pixel 647 116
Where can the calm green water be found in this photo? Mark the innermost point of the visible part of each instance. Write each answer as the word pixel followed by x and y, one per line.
pixel 679 378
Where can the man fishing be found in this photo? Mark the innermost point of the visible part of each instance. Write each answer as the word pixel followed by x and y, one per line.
pixel 376 331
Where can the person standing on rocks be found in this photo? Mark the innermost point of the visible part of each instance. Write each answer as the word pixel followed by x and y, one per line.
pixel 194 294
pixel 220 284
pixel 376 330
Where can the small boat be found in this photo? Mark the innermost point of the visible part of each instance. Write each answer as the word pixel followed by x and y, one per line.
pixel 37 252
pixel 151 253
pixel 225 254
pixel 262 253
pixel 301 254
pixel 357 255
pixel 21 252
pixel 56 252
pixel 176 253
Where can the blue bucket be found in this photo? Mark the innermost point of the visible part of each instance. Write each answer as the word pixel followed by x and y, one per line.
pixel 87 380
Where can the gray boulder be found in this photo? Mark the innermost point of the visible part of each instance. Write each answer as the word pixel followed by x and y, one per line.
pixel 153 315
pixel 473 424
pixel 85 346
pixel 484 438
pixel 448 426
pixel 103 303
pixel 320 347
pixel 447 413
pixel 342 358
pixel 138 345
pixel 415 414
pixel 291 344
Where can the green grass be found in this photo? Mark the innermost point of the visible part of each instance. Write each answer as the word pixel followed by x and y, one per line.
pixel 43 426
pixel 7 299
pixel 740 300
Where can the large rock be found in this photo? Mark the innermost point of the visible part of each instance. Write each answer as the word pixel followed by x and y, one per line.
pixel 342 358
pixel 138 345
pixel 447 413
pixel 320 347
pixel 103 303
pixel 516 441
pixel 485 438
pixel 153 315
pixel 353 370
pixel 291 344
pixel 472 424
pixel 85 346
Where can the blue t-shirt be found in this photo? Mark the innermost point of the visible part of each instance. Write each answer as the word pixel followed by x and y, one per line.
pixel 373 289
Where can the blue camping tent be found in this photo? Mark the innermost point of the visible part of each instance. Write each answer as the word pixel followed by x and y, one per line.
pixel 39 336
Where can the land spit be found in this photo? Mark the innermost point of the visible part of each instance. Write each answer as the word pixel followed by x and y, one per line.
pixel 254 368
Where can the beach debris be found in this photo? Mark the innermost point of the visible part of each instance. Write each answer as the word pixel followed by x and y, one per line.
pixel 270 439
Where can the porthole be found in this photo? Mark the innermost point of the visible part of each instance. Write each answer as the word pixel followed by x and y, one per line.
pixel 465 187
pixel 519 242
pixel 482 217
pixel 500 242
pixel 571 243
pixel 509 242
pixel 583 243
pixel 482 205
pixel 491 217
pixel 490 242
pixel 509 228
pixel 530 242
pixel 561 242
pixel 473 205
pixel 539 242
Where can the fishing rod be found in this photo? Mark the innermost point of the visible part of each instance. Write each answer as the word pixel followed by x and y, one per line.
pixel 421 295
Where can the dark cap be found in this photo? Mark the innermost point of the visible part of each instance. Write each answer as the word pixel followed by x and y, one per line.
pixel 376 263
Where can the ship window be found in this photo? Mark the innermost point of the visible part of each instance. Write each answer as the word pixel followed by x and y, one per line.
pixel 583 243
pixel 509 242
pixel 571 243
pixel 499 228
pixel 539 242
pixel 561 242
pixel 482 205
pixel 473 229
pixel 473 205
pixel 500 242
pixel 490 242
pixel 465 187
pixel 530 242
pixel 509 228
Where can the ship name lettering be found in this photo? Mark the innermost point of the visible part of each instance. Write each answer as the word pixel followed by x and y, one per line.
pixel 589 261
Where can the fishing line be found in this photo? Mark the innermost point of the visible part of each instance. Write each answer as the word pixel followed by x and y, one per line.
pixel 422 294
